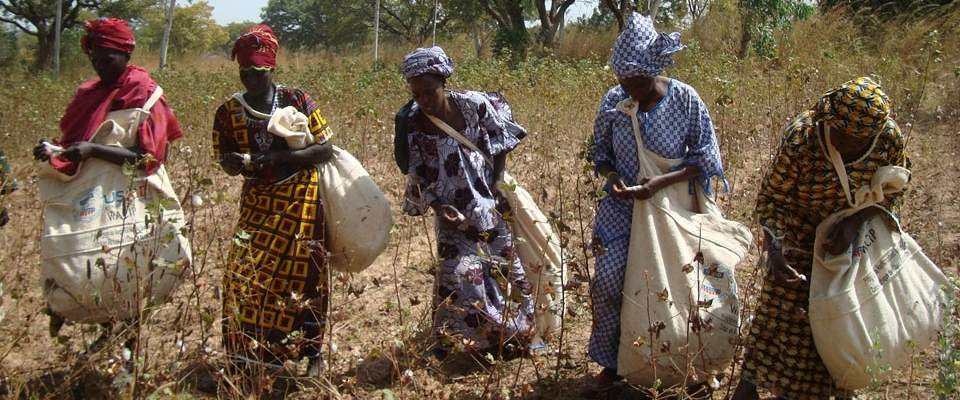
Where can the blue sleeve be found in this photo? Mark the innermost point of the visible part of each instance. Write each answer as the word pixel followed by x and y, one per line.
pixel 502 134
pixel 701 141
pixel 601 150
pixel 421 179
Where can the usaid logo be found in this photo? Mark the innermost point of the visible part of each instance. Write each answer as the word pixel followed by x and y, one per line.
pixel 89 204
pixel 85 206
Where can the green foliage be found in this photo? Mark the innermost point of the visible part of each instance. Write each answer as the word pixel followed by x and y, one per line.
pixel 194 29
pixel 600 20
pixel 763 18
pixel 133 11
pixel 511 43
pixel 317 23
pixel 411 21
pixel 8 47
pixel 234 30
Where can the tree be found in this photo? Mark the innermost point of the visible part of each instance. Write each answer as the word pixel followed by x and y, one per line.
pixel 551 19
pixel 760 18
pixel 318 23
pixel 512 37
pixel 193 30
pixel 601 19
pixel 697 8
pixel 658 10
pixel 471 16
pixel 409 20
pixel 8 46
pixel 234 30
pixel 37 18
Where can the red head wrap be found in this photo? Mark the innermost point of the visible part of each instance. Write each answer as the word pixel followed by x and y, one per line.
pixel 110 33
pixel 256 47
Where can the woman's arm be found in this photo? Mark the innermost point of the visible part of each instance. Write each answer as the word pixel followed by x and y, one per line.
pixel 402 128
pixel 650 185
pixel 499 165
pixel 308 156
pixel 117 155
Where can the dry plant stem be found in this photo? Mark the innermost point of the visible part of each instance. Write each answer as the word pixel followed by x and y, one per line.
pixel 650 329
pixel 396 277
pixel 563 260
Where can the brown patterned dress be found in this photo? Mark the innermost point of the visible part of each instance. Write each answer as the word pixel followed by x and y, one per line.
pixel 799 191
pixel 275 294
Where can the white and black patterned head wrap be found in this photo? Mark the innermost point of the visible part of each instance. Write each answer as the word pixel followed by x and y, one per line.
pixel 640 50
pixel 432 60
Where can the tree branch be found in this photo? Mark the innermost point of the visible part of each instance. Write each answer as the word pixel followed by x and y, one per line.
pixel 546 20
pixel 383 6
pixel 495 14
pixel 18 25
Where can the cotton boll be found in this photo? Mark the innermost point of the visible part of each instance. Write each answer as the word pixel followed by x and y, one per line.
pixel 196 200
pixel 714 383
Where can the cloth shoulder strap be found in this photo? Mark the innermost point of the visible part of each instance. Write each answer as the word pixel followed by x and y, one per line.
pixel 239 97
pixel 837 162
pixel 154 98
pixel 458 136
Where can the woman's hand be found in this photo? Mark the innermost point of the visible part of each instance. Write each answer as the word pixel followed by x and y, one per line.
pixel 78 152
pixel 619 189
pixel 41 151
pixel 450 216
pixel 232 163
pixel 647 188
pixel 843 233
pixel 266 160
pixel 783 273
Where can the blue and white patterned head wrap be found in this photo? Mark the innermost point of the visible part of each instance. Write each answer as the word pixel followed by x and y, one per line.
pixel 640 50
pixel 431 60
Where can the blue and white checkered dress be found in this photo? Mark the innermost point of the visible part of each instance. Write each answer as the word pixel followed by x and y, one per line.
pixel 678 127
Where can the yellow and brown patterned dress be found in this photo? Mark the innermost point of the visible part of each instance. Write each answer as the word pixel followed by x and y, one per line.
pixel 275 278
pixel 799 191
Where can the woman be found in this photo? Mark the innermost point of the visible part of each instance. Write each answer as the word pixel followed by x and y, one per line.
pixel 275 281
pixel 108 43
pixel 800 190
pixel 460 186
pixel 675 124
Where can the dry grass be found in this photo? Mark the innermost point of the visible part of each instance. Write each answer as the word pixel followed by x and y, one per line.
pixel 556 100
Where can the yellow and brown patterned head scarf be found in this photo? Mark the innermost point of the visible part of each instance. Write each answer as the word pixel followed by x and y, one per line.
pixel 859 108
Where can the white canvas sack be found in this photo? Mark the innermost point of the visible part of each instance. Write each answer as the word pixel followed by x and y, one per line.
pixel 679 318
pixel 356 214
pixel 880 294
pixel 536 245
pixel 111 241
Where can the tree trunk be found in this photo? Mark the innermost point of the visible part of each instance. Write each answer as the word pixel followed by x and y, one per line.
pixel 165 40
pixel 44 54
pixel 518 30
pixel 477 39
pixel 376 34
pixel 745 37
pixel 551 20
pixel 560 27
pixel 621 9
pixel 547 34
pixel 654 9
pixel 57 32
